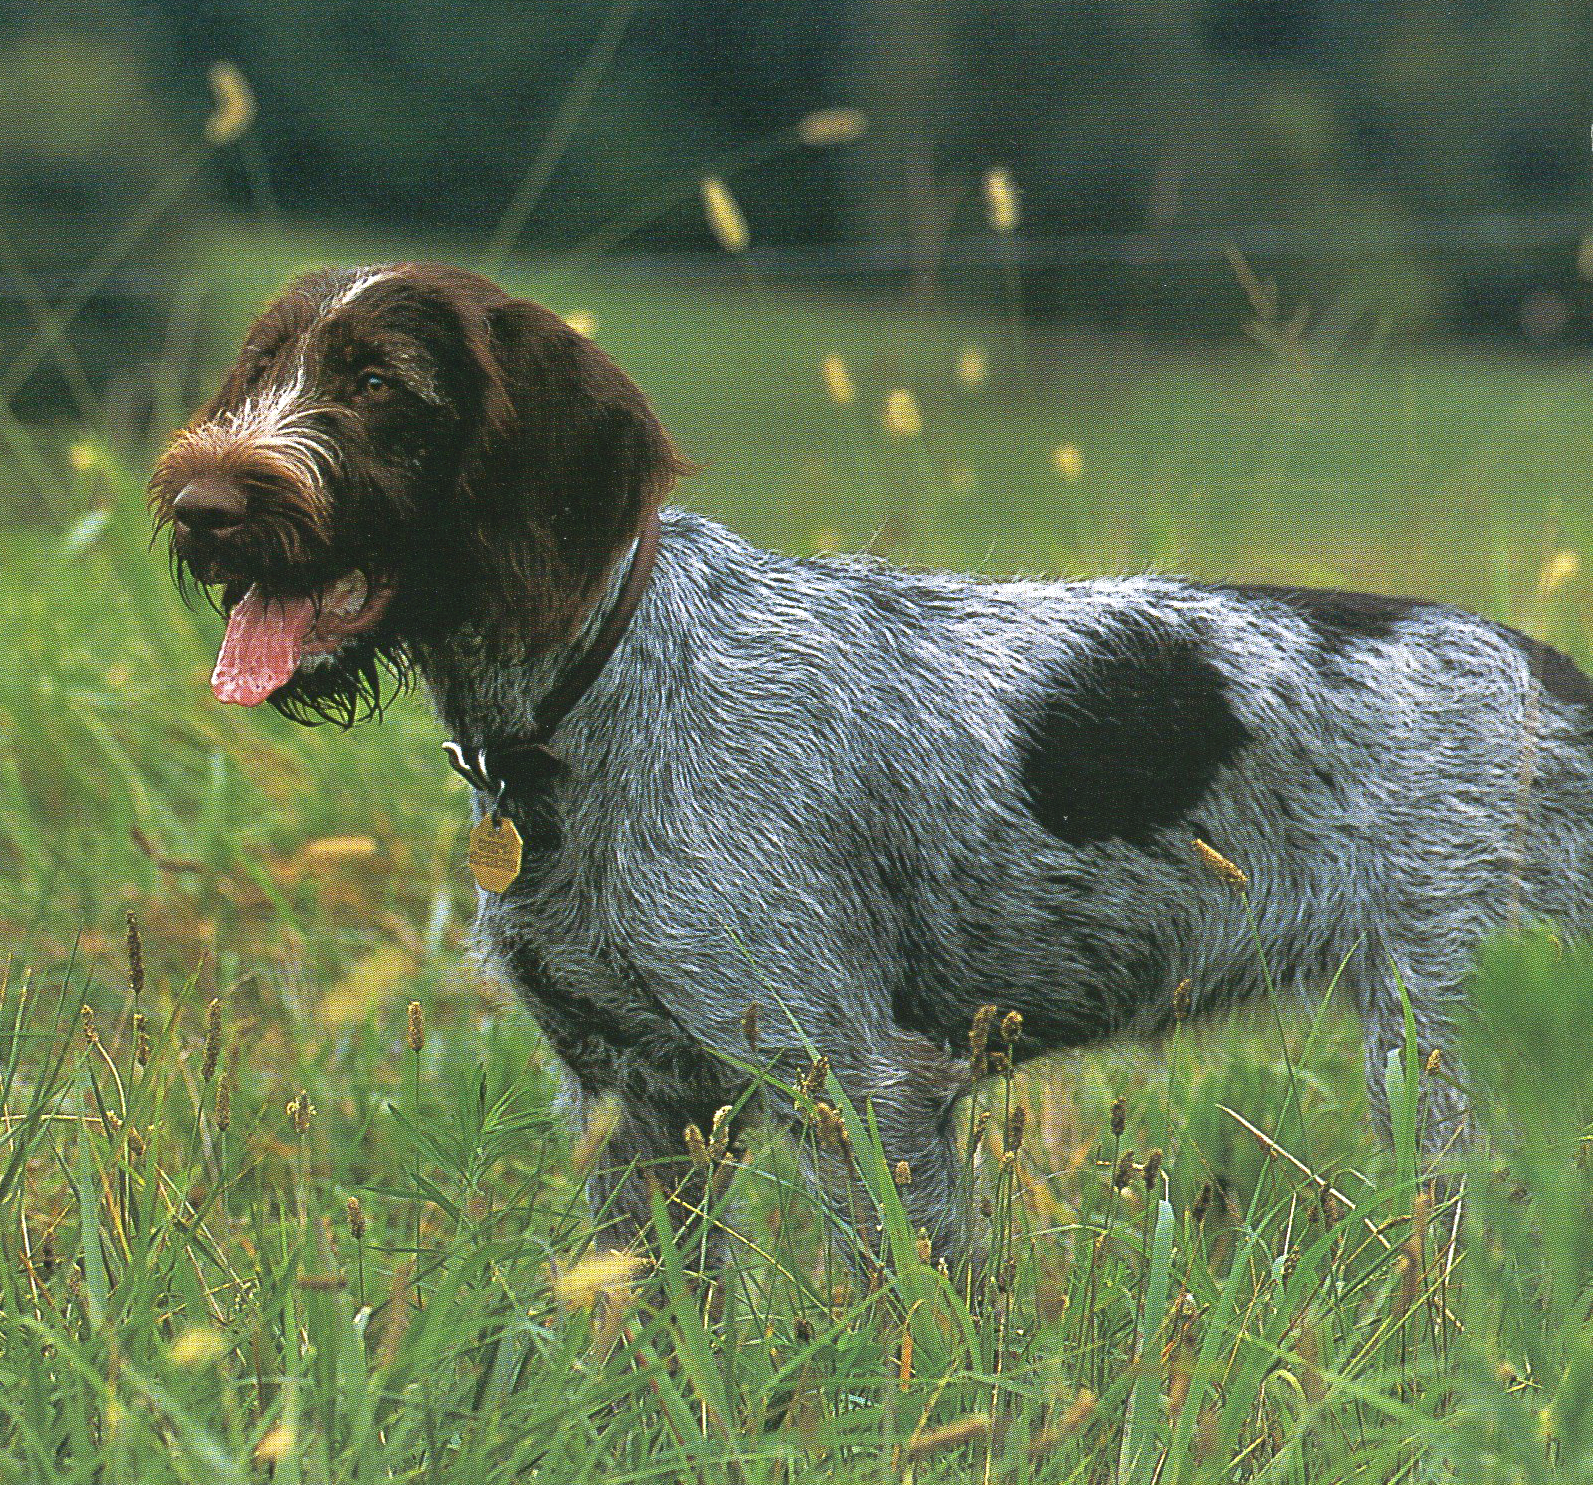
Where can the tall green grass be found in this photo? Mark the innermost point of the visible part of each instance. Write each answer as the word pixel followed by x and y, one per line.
pixel 188 1293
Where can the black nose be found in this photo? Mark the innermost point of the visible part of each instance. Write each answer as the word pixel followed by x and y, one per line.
pixel 210 503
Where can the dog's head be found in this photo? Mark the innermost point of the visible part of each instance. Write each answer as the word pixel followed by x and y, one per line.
pixel 396 453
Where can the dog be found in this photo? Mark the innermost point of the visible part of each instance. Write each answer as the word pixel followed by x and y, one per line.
pixel 867 800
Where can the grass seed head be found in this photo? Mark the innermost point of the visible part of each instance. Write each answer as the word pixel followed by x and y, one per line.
pixel 1557 571
pixel 322 1283
pixel 415 1033
pixel 902 1175
pixel 825 127
pixel 1219 865
pixel 356 1219
pixel 1119 1117
pixel 979 1039
pixel 1435 1062
pixel 749 1025
pixel 725 221
pixel 598 1273
pixel 1421 1212
pixel 901 418
pixel 207 1068
pixel 91 1036
pixel 1068 462
pixel 1308 1347
pixel 813 1081
pixel 300 1112
pixel 830 1127
pixel 1078 1413
pixel 135 956
pixel 1181 1001
pixel 1153 1169
pixel 1001 200
pixel 719 1134
pixel 973 366
pixel 141 1043
pixel 1410 1280
pixel 199 1345
pixel 224 1104
pixel 1123 1174
pixel 696 1146
pixel 1011 1027
pixel 838 381
pixel 276 1445
pixel 398 1311
pixel 235 106
pixel 952 1435
pixel 1017 1122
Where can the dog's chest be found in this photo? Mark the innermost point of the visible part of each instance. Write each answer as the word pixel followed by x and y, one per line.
pixel 552 938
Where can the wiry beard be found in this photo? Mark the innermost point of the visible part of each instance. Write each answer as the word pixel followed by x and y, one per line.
pixel 357 684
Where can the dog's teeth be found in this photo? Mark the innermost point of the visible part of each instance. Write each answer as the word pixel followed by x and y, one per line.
pixel 346 597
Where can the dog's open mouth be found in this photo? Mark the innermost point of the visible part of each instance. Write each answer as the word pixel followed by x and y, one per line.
pixel 268 638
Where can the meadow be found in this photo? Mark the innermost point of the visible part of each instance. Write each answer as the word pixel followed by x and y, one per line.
pixel 283 1189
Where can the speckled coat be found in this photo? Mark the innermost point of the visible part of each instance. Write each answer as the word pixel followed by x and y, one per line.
pixel 871 800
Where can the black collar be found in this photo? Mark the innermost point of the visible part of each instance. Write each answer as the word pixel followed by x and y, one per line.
pixel 516 764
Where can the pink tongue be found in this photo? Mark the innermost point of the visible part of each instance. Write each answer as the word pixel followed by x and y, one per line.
pixel 261 651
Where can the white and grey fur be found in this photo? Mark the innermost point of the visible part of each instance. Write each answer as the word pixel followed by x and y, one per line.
pixel 875 800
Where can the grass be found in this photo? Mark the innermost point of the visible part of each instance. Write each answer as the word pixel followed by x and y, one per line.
pixel 184 1293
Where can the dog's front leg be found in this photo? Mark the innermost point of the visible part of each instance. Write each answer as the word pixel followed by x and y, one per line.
pixel 653 1154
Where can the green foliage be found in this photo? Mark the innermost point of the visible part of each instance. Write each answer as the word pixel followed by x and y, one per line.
pixel 184 1296
pixel 1529 1267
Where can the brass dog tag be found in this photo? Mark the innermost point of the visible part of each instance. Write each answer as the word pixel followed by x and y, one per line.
pixel 494 855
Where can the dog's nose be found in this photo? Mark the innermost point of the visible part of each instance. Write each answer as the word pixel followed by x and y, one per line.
pixel 209 503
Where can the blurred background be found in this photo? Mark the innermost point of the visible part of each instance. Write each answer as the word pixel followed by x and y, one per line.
pixel 1287 290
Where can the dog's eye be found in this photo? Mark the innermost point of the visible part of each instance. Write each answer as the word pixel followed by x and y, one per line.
pixel 373 382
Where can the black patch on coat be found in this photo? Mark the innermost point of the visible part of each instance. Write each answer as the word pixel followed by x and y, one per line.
pixel 1128 738
pixel 1340 619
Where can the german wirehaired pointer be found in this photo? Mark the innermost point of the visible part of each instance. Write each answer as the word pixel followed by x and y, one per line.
pixel 868 800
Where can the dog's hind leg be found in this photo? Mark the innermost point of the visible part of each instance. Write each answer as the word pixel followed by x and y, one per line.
pixel 911 1085
pixel 1442 1109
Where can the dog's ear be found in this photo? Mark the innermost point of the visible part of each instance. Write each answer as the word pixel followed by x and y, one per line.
pixel 566 463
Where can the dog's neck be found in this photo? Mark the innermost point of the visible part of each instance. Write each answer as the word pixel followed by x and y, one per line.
pixel 480 699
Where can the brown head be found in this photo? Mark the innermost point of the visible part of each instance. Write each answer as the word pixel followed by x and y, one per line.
pixel 397 453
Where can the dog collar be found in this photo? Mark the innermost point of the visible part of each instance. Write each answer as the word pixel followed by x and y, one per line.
pixel 511 765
